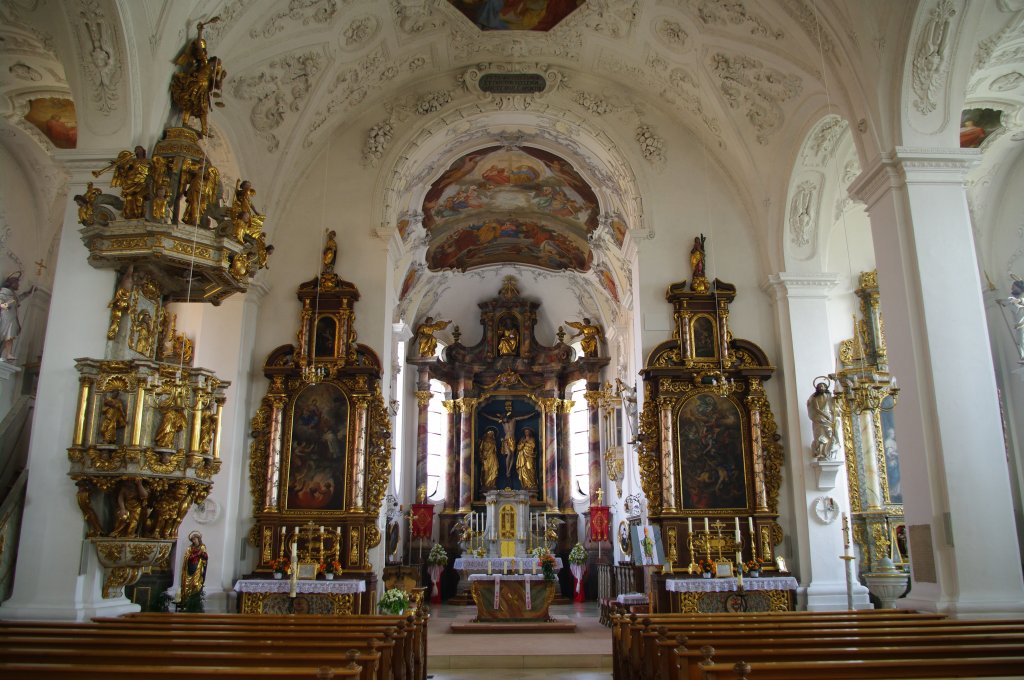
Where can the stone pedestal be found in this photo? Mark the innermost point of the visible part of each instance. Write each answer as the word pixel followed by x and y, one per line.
pixel 887 583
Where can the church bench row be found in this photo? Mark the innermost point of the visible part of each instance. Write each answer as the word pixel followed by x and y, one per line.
pixel 663 646
pixel 55 671
pixel 890 669
pixel 385 647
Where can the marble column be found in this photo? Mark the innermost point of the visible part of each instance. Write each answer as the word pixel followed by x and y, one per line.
pixel 564 458
pixel 594 398
pixel 466 453
pixel 964 552
pixel 549 454
pixel 422 400
pixel 451 459
pixel 668 457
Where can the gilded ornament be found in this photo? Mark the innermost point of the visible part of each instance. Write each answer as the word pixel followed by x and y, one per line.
pixel 194 88
pixel 110 553
pixel 590 335
pixel 118 306
pixel 425 335
pixel 372 536
pixel 131 173
pixel 87 205
pixel 164 463
pixel 423 397
pixel 130 501
pixel 117 578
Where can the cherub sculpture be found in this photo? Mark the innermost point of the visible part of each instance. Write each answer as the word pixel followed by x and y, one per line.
pixel 425 333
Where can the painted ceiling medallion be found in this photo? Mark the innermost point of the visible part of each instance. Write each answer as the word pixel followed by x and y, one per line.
pixel 501 204
pixel 516 15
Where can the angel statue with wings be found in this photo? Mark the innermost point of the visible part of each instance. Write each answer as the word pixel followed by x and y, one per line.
pixel 591 335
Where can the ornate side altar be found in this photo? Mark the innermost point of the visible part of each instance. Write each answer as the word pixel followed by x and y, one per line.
pixel 261 596
pixel 708 447
pixel 320 456
pixel 704 596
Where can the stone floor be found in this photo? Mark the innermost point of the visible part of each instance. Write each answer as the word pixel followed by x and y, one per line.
pixel 582 655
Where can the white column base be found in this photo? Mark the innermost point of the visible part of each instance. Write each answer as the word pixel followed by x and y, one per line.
pixel 826 597
pixel 114 607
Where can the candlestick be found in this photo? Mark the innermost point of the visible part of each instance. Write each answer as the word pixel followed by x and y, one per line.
pixel 846 533
pixel 750 524
pixel 689 525
pixel 706 528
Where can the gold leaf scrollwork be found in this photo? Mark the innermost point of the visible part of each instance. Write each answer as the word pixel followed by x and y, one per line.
pixel 141 554
pixel 164 464
pixel 117 578
pixel 372 536
pixel 648 456
pixel 110 553
pixel 259 454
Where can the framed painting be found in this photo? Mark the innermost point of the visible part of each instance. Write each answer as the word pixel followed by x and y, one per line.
pixel 711 443
pixel 317 448
pixel 307 571
pixel 647 545
pixel 894 487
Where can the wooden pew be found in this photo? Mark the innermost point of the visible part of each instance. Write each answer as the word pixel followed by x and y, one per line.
pixel 53 671
pixel 890 669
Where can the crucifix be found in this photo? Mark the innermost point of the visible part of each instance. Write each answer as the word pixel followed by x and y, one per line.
pixel 40 266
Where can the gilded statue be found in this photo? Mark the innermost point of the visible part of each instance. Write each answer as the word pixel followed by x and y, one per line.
pixel 131 498
pixel 84 497
pixel 699 284
pixel 193 88
pixel 589 333
pixel 508 341
pixel 263 251
pixel 161 188
pixel 246 220
pixel 330 253
pixel 172 421
pixel 118 305
pixel 114 418
pixel 526 463
pixel 10 326
pixel 821 411
pixel 425 332
pixel 131 174
pixel 142 333
pixel 206 431
pixel 489 460
pixel 508 440
pixel 193 567
pixel 86 205
pixel 199 185
pixel 240 266
pixel 164 521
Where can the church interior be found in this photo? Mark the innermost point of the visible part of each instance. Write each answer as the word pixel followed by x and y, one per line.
pixel 673 307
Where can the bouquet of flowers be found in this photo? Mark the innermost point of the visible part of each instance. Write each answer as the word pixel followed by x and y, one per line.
pixel 577 555
pixel 706 565
pixel 752 565
pixel 547 566
pixel 330 567
pixel 394 602
pixel 437 555
pixel 282 565
pixel 540 551
pixel 479 552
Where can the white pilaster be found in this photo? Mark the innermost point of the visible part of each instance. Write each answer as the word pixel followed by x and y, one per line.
pixel 801 302
pixel 955 481
pixel 58 574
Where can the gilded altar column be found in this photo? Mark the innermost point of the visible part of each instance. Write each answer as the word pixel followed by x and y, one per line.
pixel 593 398
pixel 668 458
pixel 466 452
pixel 274 464
pixel 757 450
pixel 564 456
pixel 422 399
pixel 451 459
pixel 549 454
pixel 683 334
pixel 358 469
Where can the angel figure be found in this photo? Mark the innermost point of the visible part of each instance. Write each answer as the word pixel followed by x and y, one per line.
pixel 131 173
pixel 590 333
pixel 425 332
pixel 86 205
pixel 203 77
pixel 246 219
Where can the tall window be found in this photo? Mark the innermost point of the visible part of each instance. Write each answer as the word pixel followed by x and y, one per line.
pixel 437 441
pixel 579 439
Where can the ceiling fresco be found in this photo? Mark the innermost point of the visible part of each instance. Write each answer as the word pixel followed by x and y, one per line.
pixel 502 204
pixel 516 15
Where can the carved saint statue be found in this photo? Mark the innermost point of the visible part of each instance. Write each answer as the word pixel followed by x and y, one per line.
pixel 86 205
pixel 131 173
pixel 1016 304
pixel 508 341
pixel 821 411
pixel 10 327
pixel 113 419
pixel 193 567
pixel 697 257
pixel 246 219
pixel 425 333
pixel 489 460
pixel 131 497
pixel 172 422
pixel 590 333
pixel 203 76
pixel 330 253
pixel 526 464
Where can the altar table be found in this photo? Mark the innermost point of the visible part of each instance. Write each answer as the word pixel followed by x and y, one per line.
pixel 264 596
pixel 709 595
pixel 467 566
pixel 512 597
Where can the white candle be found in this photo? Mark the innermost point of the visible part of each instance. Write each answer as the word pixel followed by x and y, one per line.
pixel 504 566
pixel 321 529
pixel 689 525
pixel 706 529
pixel 750 523
pixel 737 524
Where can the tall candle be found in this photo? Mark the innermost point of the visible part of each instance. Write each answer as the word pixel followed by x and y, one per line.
pixel 689 525
pixel 706 528
pixel 750 523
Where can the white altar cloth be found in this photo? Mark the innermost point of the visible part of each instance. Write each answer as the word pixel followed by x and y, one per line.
pixel 725 585
pixel 498 564
pixel 506 577
pixel 336 586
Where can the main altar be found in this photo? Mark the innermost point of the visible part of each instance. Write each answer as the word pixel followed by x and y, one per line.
pixel 508 483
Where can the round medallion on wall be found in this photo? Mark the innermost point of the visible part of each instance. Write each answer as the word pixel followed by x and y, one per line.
pixel 826 509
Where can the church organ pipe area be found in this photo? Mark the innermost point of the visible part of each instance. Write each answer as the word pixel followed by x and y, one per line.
pixel 508 419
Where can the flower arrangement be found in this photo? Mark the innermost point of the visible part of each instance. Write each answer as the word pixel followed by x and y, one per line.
pixel 540 551
pixel 281 565
pixel 394 601
pixel 577 555
pixel 479 552
pixel 547 566
pixel 752 565
pixel 330 567
pixel 706 565
pixel 437 555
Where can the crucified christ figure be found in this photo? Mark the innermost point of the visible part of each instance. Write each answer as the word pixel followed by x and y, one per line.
pixel 508 439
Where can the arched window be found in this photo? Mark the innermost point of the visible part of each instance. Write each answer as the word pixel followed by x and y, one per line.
pixel 437 441
pixel 579 439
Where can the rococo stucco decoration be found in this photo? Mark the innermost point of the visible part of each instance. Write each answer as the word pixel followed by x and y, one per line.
pixel 280 88
pixel 763 90
pixel 101 56
pixel 931 58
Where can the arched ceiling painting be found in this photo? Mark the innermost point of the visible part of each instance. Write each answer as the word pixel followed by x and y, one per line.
pixel 516 15
pixel 502 204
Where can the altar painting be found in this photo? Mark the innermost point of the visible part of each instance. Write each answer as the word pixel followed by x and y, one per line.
pixel 56 118
pixel 319 436
pixel 712 471
pixel 508 446
pixel 516 15
pixel 892 453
